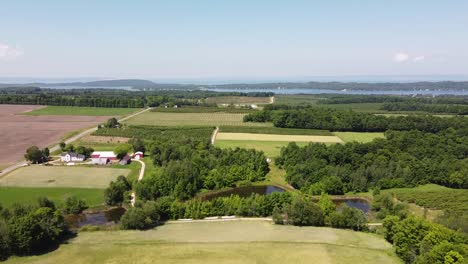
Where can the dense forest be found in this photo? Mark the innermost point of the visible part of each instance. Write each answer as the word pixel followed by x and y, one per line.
pixel 355 99
pixel 430 108
pixel 403 159
pixel 110 97
pixel 338 120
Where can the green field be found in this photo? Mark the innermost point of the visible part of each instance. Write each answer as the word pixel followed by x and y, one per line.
pixel 62 176
pixel 200 109
pixel 82 111
pixel 362 137
pixel 296 99
pixel 222 242
pixel 191 119
pixel 25 195
pixel 275 130
pixel 271 148
pixel 238 100
pixel 434 196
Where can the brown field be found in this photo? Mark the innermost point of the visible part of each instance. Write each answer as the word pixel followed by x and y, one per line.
pixel 18 132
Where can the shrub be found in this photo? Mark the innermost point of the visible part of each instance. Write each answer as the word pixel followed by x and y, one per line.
pixel 135 218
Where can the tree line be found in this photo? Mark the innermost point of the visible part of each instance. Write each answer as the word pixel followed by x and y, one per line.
pixel 403 159
pixel 430 108
pixel 338 120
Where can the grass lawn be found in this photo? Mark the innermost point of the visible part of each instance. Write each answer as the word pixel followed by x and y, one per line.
pixel 222 242
pixel 62 176
pixel 82 111
pixel 362 137
pixel 271 148
pixel 191 119
pixel 25 195
pixel 275 130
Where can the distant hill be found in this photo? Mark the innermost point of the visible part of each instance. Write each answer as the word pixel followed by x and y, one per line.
pixel 146 84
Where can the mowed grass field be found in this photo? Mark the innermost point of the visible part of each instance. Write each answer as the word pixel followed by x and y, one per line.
pixel 29 195
pixel 191 119
pixel 62 176
pixel 272 137
pixel 362 137
pixel 222 242
pixel 81 111
pixel 271 148
pixel 275 130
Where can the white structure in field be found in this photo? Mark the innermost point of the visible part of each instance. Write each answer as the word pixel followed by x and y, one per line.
pixel 71 157
pixel 103 157
pixel 138 155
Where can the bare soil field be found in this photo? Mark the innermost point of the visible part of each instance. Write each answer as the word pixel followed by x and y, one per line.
pixel 18 132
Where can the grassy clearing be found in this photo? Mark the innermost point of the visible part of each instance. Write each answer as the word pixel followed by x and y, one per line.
pixel 432 196
pixel 271 137
pixel 271 148
pixel 238 100
pixel 198 109
pixel 362 137
pixel 275 130
pixel 82 111
pixel 222 242
pixel 191 119
pixel 296 99
pixel 277 177
pixel 62 176
pixel 25 195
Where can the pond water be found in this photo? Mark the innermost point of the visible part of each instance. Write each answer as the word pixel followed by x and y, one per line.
pixel 360 204
pixel 111 216
pixel 243 191
pixel 363 92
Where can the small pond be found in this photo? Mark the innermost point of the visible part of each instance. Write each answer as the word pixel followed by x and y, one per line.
pixel 360 204
pixel 107 217
pixel 245 191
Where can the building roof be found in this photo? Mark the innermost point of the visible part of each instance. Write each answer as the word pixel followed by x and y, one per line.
pixel 138 153
pixel 126 158
pixel 73 155
pixel 103 154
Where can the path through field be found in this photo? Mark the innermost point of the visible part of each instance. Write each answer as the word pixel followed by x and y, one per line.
pixel 21 146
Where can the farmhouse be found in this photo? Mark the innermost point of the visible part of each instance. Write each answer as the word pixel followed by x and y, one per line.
pixel 103 157
pixel 71 157
pixel 138 155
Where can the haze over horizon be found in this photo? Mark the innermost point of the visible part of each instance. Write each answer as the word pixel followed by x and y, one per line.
pixel 213 41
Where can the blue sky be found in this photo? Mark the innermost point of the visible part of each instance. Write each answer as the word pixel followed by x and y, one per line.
pixel 176 39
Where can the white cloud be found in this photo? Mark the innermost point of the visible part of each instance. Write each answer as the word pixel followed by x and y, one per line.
pixel 419 58
pixel 401 57
pixel 8 52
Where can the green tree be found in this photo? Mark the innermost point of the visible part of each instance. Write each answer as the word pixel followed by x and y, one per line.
pixel 304 212
pixel 135 218
pixel 34 154
pixel 326 204
pixel 112 123
pixel 114 194
pixel 137 144
pixel 122 150
pixel 73 205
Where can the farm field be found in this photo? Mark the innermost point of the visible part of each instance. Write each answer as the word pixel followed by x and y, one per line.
pixel 81 111
pixel 221 242
pixel 434 196
pixel 62 176
pixel 191 119
pixel 29 195
pixel 22 131
pixel 270 148
pixel 100 142
pixel 275 130
pixel 272 137
pixel 238 100
pixel 296 99
pixel 362 137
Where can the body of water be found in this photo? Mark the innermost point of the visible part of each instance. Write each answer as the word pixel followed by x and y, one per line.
pixel 111 216
pixel 243 191
pixel 360 204
pixel 362 92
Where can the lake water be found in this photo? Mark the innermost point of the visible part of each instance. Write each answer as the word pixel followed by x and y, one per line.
pixel 243 191
pixel 363 92
pixel 111 216
pixel 360 204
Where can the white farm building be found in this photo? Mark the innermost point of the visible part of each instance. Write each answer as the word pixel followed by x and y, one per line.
pixel 103 157
pixel 71 157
